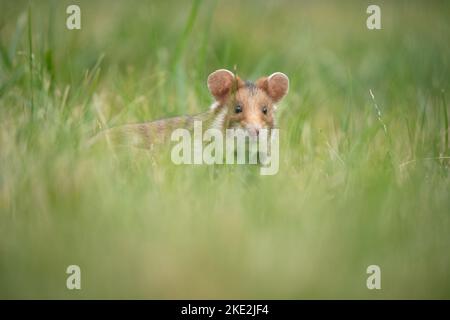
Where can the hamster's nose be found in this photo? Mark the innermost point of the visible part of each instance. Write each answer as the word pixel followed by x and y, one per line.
pixel 253 131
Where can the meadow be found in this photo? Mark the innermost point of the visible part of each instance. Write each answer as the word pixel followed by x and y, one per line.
pixel 364 152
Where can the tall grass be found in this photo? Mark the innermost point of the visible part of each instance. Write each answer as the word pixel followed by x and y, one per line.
pixel 361 181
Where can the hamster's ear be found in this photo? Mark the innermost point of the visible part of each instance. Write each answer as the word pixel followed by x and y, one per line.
pixel 276 85
pixel 221 83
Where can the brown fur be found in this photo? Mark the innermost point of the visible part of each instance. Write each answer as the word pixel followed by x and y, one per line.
pixel 229 91
pixel 253 99
pixel 252 102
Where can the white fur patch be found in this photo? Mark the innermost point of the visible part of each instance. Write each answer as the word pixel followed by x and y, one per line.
pixel 214 106
pixel 219 119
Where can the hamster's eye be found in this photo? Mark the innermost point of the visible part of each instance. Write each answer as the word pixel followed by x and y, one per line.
pixel 238 109
pixel 264 110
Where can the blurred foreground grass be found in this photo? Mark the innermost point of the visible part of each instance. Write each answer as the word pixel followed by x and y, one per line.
pixel 349 193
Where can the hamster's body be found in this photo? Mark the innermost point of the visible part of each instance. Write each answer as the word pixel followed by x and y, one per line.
pixel 238 104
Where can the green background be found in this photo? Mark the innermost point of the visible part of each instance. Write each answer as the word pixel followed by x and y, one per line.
pixel 361 181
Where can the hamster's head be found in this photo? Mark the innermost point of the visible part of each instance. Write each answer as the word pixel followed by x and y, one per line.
pixel 247 105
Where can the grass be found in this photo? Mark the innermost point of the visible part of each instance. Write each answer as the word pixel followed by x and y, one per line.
pixel 364 172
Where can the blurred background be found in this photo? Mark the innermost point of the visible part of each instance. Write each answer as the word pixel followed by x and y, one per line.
pixel 363 179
